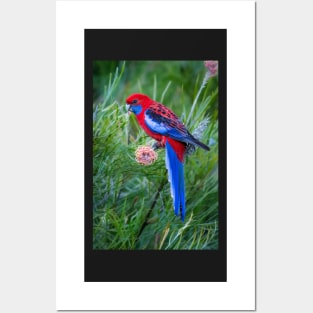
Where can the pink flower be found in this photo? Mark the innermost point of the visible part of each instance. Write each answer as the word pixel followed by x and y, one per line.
pixel 212 67
pixel 145 155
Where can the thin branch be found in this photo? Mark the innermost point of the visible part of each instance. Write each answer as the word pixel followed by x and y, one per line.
pixel 151 208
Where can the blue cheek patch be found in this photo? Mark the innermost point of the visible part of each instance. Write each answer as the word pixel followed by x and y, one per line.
pixel 136 109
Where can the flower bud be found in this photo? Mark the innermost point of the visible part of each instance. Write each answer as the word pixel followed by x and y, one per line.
pixel 212 67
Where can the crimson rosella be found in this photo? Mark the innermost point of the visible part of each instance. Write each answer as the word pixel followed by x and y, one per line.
pixel 165 127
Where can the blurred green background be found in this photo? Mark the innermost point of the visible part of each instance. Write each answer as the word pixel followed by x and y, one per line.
pixel 132 205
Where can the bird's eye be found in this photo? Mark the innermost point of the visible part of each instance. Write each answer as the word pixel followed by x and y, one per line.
pixel 134 101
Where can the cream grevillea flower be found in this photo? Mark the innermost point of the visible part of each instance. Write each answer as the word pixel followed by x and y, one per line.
pixel 145 155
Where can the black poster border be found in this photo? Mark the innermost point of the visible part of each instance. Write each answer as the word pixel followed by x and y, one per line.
pixel 171 265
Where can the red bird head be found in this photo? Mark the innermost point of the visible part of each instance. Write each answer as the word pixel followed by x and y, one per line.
pixel 137 102
pixel 138 98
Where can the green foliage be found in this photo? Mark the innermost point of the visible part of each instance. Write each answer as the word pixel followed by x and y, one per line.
pixel 132 205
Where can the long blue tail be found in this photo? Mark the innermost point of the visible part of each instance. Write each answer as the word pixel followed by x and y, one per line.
pixel 175 170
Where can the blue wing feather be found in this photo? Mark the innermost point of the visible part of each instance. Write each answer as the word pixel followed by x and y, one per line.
pixel 156 125
pixel 165 125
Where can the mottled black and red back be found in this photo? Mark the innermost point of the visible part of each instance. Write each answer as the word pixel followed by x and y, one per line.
pixel 162 120
pixel 164 115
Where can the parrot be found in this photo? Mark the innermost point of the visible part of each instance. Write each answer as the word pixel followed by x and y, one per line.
pixel 163 125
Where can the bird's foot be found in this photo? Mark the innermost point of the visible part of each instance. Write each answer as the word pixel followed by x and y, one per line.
pixel 158 145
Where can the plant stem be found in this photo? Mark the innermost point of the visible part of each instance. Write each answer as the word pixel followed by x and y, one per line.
pixel 205 80
pixel 151 208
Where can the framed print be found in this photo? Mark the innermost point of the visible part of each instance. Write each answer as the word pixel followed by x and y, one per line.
pixel 155 155
pixel 129 202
